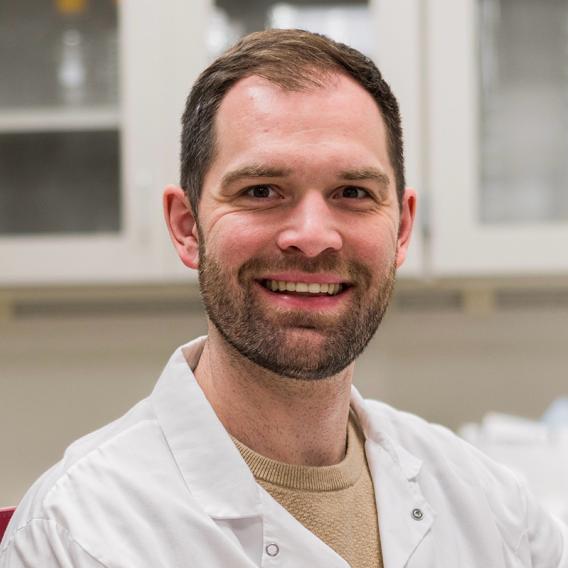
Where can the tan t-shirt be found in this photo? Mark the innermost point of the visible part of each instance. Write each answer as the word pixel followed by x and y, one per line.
pixel 336 503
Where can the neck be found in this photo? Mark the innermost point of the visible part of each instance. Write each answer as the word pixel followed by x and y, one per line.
pixel 289 420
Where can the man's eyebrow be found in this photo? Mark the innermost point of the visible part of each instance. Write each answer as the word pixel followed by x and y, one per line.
pixel 254 171
pixel 362 174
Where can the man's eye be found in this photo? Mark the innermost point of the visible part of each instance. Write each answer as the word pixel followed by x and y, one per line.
pixel 351 192
pixel 260 191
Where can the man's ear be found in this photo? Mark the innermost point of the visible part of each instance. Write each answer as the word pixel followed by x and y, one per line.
pixel 407 215
pixel 181 225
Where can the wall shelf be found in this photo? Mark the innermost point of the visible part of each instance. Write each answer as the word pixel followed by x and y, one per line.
pixel 59 119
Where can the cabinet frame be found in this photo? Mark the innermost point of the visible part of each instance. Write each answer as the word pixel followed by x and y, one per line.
pixel 460 245
pixel 160 53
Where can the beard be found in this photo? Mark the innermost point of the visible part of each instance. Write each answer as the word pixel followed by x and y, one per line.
pixel 279 341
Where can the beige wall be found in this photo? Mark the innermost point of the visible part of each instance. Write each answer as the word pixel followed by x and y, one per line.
pixel 64 375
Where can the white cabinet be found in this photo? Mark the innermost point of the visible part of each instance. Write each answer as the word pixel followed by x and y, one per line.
pixel 374 27
pixel 89 134
pixel 497 143
pixel 90 125
pixel 90 121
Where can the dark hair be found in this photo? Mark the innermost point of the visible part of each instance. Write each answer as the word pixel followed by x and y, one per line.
pixel 295 60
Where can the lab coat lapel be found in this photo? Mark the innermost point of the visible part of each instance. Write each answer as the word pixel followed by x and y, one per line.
pixel 405 517
pixel 208 460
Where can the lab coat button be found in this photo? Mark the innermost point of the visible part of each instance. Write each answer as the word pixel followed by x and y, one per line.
pixel 272 549
pixel 417 514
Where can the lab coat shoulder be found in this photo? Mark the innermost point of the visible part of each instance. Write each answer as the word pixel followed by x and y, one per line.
pixel 52 520
pixel 43 542
pixel 443 454
pixel 82 450
pixel 118 498
pixel 458 479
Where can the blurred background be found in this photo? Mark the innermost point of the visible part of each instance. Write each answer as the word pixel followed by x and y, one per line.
pixel 93 300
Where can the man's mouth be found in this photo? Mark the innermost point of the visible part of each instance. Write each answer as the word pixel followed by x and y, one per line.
pixel 304 288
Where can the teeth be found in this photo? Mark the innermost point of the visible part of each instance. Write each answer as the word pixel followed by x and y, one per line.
pixel 303 287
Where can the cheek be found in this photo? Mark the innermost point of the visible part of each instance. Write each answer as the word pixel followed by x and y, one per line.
pixel 236 240
pixel 376 248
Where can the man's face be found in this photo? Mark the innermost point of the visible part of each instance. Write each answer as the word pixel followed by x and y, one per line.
pixel 299 225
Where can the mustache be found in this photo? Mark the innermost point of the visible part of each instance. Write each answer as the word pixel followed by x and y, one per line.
pixel 350 271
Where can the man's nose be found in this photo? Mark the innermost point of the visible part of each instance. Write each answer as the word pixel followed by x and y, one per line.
pixel 311 227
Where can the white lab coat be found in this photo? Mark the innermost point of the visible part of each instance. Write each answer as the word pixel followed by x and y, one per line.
pixel 164 486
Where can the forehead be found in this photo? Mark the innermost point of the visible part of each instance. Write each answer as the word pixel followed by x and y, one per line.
pixel 260 113
pixel 334 86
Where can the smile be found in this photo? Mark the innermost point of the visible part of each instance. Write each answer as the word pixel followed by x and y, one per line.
pixel 303 287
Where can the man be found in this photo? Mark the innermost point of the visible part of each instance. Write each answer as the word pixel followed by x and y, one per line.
pixel 254 449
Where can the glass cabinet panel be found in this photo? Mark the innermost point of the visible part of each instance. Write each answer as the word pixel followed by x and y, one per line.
pixel 524 110
pixel 58 182
pixel 59 117
pixel 58 52
pixel 346 21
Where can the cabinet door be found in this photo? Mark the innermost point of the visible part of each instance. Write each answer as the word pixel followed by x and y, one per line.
pixel 85 130
pixel 399 55
pixel 374 27
pixel 498 136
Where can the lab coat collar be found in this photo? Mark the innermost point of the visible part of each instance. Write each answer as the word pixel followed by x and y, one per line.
pixel 405 517
pixel 207 458
pixel 218 477
pixel 408 464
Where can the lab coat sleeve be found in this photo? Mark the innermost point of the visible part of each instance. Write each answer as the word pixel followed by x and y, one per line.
pixel 539 539
pixel 546 535
pixel 43 543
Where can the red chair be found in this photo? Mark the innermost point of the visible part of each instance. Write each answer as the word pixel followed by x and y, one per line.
pixel 5 516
